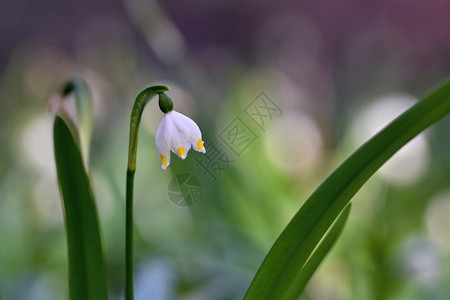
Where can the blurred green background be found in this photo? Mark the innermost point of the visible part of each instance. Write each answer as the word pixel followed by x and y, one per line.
pixel 283 92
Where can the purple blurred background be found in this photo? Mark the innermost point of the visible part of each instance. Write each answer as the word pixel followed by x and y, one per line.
pixel 337 69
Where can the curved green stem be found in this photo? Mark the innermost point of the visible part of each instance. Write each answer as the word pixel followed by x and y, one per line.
pixel 141 101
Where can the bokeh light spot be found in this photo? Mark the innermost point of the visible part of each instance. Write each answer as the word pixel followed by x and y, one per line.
pixel 411 162
pixel 294 143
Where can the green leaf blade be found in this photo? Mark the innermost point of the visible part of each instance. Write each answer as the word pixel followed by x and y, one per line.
pixel 319 254
pixel 288 255
pixel 87 270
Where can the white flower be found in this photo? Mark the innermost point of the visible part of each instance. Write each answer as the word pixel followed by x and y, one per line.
pixel 177 132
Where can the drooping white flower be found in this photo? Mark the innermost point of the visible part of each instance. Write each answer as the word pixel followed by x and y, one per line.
pixel 178 133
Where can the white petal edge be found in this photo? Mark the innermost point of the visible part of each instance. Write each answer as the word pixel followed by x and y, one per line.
pixel 162 142
pixel 189 129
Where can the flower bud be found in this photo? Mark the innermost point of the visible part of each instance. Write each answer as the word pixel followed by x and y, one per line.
pixel 165 103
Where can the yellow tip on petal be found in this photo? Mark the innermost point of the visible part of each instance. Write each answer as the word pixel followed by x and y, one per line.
pixel 200 145
pixel 181 152
pixel 163 161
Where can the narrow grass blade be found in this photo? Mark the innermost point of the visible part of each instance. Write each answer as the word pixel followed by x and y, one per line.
pixel 319 254
pixel 290 251
pixel 87 271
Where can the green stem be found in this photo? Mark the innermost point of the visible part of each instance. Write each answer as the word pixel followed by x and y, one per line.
pixel 141 101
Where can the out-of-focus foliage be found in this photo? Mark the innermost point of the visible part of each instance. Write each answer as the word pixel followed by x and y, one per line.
pixel 87 277
pixel 87 269
pixel 337 71
pixel 283 273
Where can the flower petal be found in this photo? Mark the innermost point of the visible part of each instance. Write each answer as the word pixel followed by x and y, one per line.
pixel 162 141
pixel 178 142
pixel 189 129
pixel 177 133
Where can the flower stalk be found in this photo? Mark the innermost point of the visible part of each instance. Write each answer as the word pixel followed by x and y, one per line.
pixel 176 133
pixel 141 101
